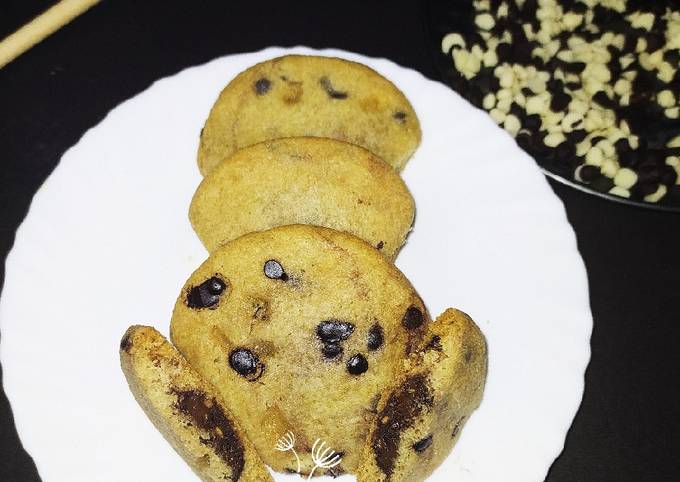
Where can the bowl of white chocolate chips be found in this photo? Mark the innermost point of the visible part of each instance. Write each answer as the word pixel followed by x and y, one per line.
pixel 589 88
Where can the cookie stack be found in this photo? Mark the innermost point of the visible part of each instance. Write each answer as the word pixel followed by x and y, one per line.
pixel 298 344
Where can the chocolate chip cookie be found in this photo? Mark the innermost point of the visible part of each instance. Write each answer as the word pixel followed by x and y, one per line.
pixel 303 180
pixel 420 418
pixel 305 330
pixel 298 95
pixel 186 410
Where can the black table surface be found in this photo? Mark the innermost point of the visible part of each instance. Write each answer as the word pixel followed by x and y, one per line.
pixel 627 428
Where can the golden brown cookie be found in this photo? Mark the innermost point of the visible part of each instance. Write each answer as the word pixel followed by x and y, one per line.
pixel 187 411
pixel 298 95
pixel 300 329
pixel 419 420
pixel 305 180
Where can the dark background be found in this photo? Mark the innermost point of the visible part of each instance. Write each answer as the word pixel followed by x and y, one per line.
pixel 628 426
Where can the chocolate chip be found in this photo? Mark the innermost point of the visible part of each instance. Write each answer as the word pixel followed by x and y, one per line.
pixel 672 57
pixel 603 99
pixel 413 318
pixel 207 294
pixel 262 86
pixel 645 188
pixel 435 343
pixel 328 87
pixel 334 331
pixel 376 337
pixel 331 350
pixel 400 116
pixel 126 343
pixel 532 122
pixel 578 135
pixel 274 270
pixel 602 183
pixel 246 364
pixel 668 175
pixel 586 173
pixel 380 245
pixel 565 152
pixel 423 444
pixel 559 101
pixel 357 364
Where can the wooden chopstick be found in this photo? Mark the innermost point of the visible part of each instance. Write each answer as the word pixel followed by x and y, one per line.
pixel 40 27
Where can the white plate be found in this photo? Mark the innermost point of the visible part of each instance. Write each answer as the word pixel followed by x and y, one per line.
pixel 107 243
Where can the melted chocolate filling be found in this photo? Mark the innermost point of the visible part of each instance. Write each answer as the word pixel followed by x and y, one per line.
pixel 206 414
pixel 405 404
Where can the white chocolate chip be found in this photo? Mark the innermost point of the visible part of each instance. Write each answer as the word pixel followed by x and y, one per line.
pixel 566 55
pixel 452 40
pixel 504 94
pixel 582 147
pixel 609 167
pixel 535 105
pixel 477 51
pixel 594 157
pixel 665 98
pixel 641 20
pixel 619 191
pixel 466 63
pixel 656 57
pixel 578 107
pixel 489 101
pixel 569 121
pixel 672 113
pixel 572 20
pixel 625 128
pixel 625 178
pixel 554 139
pixel 490 58
pixel 629 75
pixel 626 60
pixel 622 87
pixel 502 10
pixel 607 147
pixel 512 124
pixel 507 79
pixel 675 142
pixel 600 72
pixel 497 115
pixel 657 195
pixel 504 105
pixel 665 72
pixel 485 21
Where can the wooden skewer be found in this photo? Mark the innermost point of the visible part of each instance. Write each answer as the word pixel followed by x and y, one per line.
pixel 40 27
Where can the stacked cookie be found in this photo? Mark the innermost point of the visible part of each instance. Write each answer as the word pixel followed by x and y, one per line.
pixel 298 344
